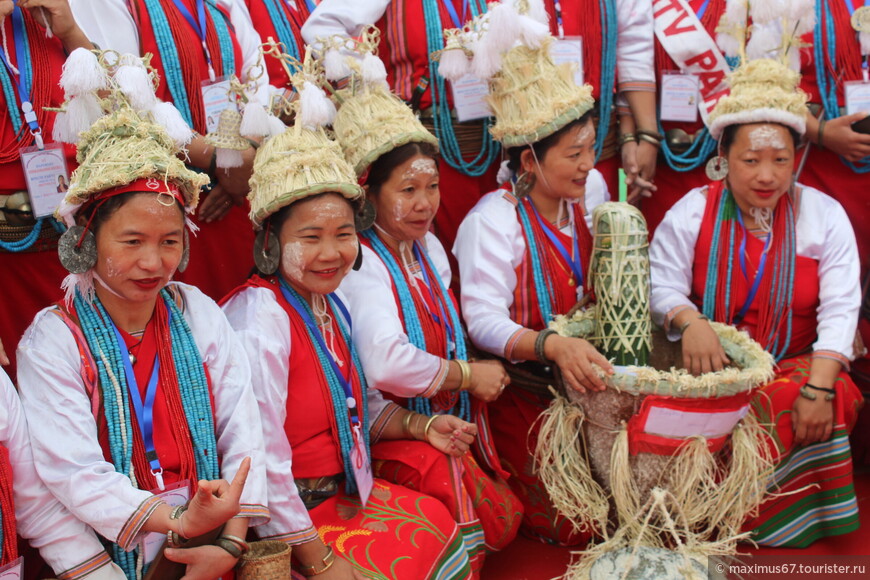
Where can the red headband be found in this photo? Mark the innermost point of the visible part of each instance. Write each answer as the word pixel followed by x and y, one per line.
pixel 144 185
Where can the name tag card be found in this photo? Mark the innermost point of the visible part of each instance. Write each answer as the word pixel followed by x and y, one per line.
pixel 362 467
pixel 857 97
pixel 680 97
pixel 47 177
pixel 215 98
pixel 12 570
pixel 569 50
pixel 175 495
pixel 469 98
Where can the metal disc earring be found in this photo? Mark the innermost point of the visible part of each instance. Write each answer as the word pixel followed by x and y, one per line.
pixel 267 252
pixel 717 168
pixel 77 250
pixel 185 253
pixel 524 184
pixel 365 217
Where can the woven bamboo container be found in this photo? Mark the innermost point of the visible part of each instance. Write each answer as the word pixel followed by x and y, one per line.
pixel 266 560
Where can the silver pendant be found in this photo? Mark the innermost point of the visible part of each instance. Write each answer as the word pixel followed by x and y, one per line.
pixel 717 168
pixel 185 253
pixel 77 258
pixel 267 252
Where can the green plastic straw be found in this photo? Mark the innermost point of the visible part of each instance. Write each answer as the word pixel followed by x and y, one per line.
pixel 623 189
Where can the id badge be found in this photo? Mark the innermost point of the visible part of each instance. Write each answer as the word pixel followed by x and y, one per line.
pixel 12 570
pixel 362 467
pixel 569 50
pixel 215 98
pixel 175 495
pixel 680 97
pixel 857 97
pixel 469 98
pixel 47 177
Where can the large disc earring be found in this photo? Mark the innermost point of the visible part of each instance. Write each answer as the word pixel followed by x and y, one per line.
pixel 524 184
pixel 185 253
pixel 366 216
pixel 717 168
pixel 267 252
pixel 77 250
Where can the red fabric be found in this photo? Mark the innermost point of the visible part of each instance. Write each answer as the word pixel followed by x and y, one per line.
pixel 9 548
pixel 295 17
pixel 673 185
pixel 642 441
pixel 582 18
pixel 515 429
pixel 419 466
pixel 459 193
pixel 563 294
pixel 805 299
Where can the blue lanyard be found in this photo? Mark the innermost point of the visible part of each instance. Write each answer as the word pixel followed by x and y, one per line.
pixel 454 16
pixel 24 77
pixel 315 332
pixel 144 409
pixel 442 320
pixel 200 26
pixel 560 24
pixel 575 261
pixel 309 3
pixel 703 9
pixel 756 282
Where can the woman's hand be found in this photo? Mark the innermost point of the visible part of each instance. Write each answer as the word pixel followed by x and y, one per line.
pixel 839 137
pixel 203 562
pixel 575 357
pixel 638 162
pixel 234 180
pixel 214 503
pixel 451 435
pixel 702 351
pixel 311 553
pixel 340 570
pixel 488 380
pixel 216 205
pixel 813 421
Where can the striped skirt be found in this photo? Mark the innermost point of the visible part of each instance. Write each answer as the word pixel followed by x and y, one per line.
pixel 815 496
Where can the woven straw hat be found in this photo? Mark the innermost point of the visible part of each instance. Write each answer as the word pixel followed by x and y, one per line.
pixel 227 135
pixel 764 87
pixel 530 95
pixel 296 164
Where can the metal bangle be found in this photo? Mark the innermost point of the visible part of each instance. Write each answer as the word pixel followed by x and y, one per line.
pixel 654 134
pixel 829 393
pixel 539 345
pixel 465 369
pixel 406 425
pixel 327 561
pixel 230 547
pixel 429 424
pixel 649 139
pixel 627 138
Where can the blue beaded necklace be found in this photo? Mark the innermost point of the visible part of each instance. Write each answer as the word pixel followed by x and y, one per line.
pixel 542 279
pixel 99 333
pixel 339 389
pixel 609 32
pixel 825 51
pixel 783 273
pixel 282 27
pixel 166 44
pixel 450 151
pixel 413 325
pixel 25 67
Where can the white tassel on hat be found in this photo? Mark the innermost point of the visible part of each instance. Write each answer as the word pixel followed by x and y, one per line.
pixel 486 61
pixel 454 63
pixel 766 11
pixel 255 121
pixel 228 158
pixel 532 31
pixel 167 116
pixel 335 65
pixel 82 73
pixel 537 11
pixel 373 71
pixel 81 112
pixel 504 26
pixel 765 42
pixel 276 126
pixel 315 108
pixel 134 81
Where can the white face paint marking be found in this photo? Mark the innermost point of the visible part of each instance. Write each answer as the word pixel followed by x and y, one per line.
pixel 111 270
pixel 330 209
pixel 291 260
pixel 399 211
pixel 584 134
pixel 421 165
pixel 764 137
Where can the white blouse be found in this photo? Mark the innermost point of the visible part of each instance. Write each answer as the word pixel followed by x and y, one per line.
pixel 634 47
pixel 263 328
pixel 109 24
pixel 391 363
pixel 66 544
pixel 66 447
pixel 823 233
pixel 489 247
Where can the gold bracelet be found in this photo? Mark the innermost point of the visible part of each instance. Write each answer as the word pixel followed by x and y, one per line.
pixel 649 139
pixel 627 138
pixel 327 561
pixel 406 425
pixel 465 369
pixel 429 424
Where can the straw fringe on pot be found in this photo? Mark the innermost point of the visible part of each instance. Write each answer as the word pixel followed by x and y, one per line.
pixel 530 95
pixel 371 120
pixel 304 160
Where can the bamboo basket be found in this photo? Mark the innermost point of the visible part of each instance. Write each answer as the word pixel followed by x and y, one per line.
pixel 266 560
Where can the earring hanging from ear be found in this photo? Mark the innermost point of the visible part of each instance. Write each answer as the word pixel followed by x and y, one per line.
pixel 717 168
pixel 77 250
pixel 357 264
pixel 524 184
pixel 365 217
pixel 267 252
pixel 185 253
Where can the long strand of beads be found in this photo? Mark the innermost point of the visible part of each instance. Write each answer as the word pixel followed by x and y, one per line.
pixel 701 149
pixel 282 27
pixel 225 41
pixel 610 33
pixel 169 56
pixel 543 294
pixel 708 306
pixel 27 241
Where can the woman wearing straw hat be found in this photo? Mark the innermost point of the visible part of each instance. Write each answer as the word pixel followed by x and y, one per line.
pixel 406 321
pixel 28 508
pixel 137 384
pixel 523 251
pixel 777 259
pixel 320 420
